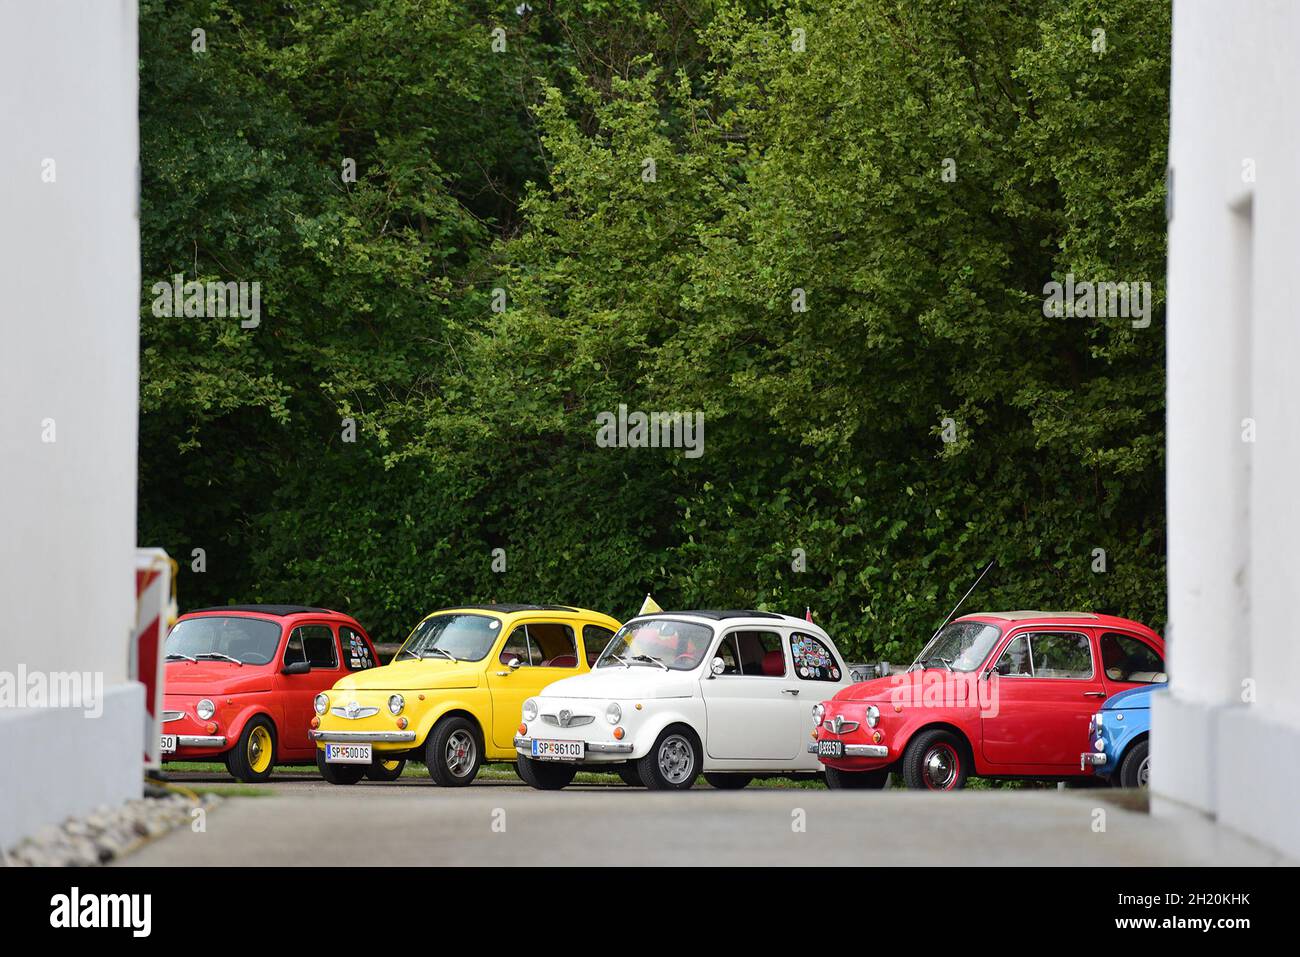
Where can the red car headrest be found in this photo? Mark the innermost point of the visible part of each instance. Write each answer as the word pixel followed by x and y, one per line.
pixel 774 664
pixel 564 661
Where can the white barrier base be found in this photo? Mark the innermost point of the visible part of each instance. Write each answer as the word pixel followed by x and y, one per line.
pixel 57 763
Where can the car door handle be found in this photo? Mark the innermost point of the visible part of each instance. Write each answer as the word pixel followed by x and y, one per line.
pixel 1094 694
pixel 793 691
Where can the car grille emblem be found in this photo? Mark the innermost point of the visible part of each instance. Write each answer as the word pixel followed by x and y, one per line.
pixel 353 710
pixel 565 716
pixel 838 725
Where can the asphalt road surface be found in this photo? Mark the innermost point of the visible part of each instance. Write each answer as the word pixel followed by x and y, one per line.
pixel 301 820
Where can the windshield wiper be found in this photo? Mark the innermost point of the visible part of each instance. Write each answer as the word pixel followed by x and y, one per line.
pixel 177 654
pixel 446 654
pixel 946 663
pixel 218 654
pixel 652 659
pixel 619 658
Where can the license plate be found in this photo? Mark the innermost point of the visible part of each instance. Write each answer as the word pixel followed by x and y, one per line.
pixel 830 749
pixel 548 750
pixel 167 743
pixel 348 754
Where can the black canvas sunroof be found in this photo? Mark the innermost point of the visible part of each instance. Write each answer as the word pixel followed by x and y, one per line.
pixel 720 615
pixel 280 610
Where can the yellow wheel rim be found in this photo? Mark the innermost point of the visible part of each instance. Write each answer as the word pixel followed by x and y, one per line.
pixel 259 749
pixel 389 765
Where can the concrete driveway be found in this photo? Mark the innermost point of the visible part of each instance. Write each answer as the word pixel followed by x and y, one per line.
pixel 303 821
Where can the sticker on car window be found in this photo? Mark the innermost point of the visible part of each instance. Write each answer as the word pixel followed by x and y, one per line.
pixel 812 659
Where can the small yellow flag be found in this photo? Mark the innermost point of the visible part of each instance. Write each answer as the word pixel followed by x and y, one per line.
pixel 649 606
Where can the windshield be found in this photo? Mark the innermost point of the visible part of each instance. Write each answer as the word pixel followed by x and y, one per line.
pixel 250 641
pixel 658 643
pixel 452 638
pixel 960 646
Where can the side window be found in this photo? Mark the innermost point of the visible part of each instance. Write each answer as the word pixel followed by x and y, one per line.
pixel 727 652
pixel 813 661
pixel 1061 655
pixel 318 643
pixel 1015 661
pixel 553 645
pixel 293 651
pixel 1124 658
pixel 516 646
pixel 760 653
pixel 594 639
pixel 355 649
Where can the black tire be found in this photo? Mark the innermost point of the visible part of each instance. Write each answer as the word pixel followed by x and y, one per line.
pixel 630 776
pixel 838 780
pixel 339 773
pixel 683 753
pixel 378 771
pixel 1136 766
pixel 241 760
pixel 458 735
pixel 545 775
pixel 727 782
pixel 936 760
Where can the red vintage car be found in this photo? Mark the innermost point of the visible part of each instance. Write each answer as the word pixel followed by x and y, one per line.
pixel 241 680
pixel 995 694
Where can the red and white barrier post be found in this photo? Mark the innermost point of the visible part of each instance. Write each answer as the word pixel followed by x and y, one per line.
pixel 155 613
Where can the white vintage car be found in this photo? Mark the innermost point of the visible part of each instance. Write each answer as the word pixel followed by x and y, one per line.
pixel 674 694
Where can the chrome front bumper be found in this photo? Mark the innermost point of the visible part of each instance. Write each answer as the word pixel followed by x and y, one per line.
pixel 1092 759
pixel 200 740
pixel 525 746
pixel 363 737
pixel 858 750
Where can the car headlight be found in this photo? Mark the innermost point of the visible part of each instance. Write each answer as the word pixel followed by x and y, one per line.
pixel 530 710
pixel 205 709
pixel 1097 717
pixel 819 712
pixel 321 703
pixel 613 714
pixel 396 703
pixel 873 715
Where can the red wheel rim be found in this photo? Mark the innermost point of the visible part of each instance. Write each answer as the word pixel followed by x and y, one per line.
pixel 940 767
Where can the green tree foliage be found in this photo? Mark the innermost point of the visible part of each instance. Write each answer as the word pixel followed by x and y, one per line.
pixel 826 226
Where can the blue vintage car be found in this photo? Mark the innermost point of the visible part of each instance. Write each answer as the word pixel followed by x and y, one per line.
pixel 1120 738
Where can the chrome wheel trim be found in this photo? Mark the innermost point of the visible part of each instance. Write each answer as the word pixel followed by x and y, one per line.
pixel 1144 772
pixel 676 759
pixel 460 753
pixel 939 768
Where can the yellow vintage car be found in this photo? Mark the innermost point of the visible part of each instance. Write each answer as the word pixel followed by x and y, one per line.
pixel 452 696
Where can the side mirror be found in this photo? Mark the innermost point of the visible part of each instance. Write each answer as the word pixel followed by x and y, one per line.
pixel 513 663
pixel 297 668
pixel 717 666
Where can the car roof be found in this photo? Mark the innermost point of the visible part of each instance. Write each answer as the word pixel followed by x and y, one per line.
pixel 708 616
pixel 1064 617
pixel 1026 615
pixel 279 611
pixel 508 610
pixel 723 614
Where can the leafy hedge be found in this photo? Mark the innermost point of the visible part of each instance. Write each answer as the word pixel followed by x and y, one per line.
pixel 775 169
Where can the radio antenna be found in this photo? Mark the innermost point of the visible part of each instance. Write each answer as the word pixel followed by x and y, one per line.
pixel 991 563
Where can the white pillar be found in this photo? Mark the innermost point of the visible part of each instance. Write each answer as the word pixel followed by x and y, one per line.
pixel 70 275
pixel 1234 368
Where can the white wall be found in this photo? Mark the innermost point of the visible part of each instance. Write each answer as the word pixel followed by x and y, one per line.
pixel 1233 354
pixel 69 308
